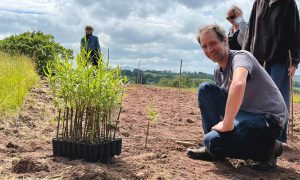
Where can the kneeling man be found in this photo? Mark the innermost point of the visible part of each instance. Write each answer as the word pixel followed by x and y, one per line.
pixel 244 112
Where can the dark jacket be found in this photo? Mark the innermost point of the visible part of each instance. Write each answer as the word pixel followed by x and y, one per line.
pixel 90 42
pixel 273 30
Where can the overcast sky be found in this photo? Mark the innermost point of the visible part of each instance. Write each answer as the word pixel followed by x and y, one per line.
pixel 158 33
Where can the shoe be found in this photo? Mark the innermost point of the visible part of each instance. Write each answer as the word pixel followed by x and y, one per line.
pixel 270 164
pixel 200 154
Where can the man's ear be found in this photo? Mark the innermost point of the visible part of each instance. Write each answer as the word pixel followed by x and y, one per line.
pixel 225 41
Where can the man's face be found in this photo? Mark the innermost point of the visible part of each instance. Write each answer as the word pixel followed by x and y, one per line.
pixel 213 48
pixel 88 30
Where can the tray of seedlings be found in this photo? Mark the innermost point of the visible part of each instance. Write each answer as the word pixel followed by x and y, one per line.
pixel 89 101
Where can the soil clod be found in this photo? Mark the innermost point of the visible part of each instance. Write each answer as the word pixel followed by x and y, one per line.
pixel 190 120
pixel 12 145
pixel 27 165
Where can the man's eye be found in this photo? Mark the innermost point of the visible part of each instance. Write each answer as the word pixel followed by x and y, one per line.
pixel 213 44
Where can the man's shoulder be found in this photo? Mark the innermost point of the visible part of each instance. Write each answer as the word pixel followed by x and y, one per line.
pixel 94 37
pixel 82 39
pixel 240 53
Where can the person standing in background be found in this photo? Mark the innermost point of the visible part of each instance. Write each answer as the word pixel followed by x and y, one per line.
pixel 273 31
pixel 91 43
pixel 238 29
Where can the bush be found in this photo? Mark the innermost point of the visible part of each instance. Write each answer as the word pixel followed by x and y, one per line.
pixel 37 45
pixel 185 82
pixel 17 75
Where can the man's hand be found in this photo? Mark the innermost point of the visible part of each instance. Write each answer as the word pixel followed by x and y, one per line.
pixel 292 71
pixel 221 127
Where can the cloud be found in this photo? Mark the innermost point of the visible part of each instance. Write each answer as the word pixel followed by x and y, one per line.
pixel 157 33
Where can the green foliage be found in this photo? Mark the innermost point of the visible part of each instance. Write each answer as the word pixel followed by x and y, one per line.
pixel 167 78
pixel 86 96
pixel 296 98
pixel 37 45
pixel 17 76
pixel 151 117
pixel 297 84
pixel 151 113
pixel 185 82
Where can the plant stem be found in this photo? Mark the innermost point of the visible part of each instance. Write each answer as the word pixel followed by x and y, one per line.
pixel 57 129
pixel 147 133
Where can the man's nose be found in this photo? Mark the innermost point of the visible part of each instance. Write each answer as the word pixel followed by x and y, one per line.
pixel 210 49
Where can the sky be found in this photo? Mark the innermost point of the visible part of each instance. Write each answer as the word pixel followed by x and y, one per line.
pixel 158 33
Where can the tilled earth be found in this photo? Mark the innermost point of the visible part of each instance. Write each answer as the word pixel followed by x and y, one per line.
pixel 26 150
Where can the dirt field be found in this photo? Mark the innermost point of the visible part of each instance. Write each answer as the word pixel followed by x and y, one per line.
pixel 26 150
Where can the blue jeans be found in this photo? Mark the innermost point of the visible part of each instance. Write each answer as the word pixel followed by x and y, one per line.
pixel 279 74
pixel 251 137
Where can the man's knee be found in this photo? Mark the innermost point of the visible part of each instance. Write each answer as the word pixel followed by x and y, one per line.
pixel 204 86
pixel 204 89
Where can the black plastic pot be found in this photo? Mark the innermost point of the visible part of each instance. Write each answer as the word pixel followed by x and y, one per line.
pixel 106 153
pixel 69 149
pixel 80 153
pixel 100 151
pixel 54 146
pixel 74 150
pixel 59 147
pixel 64 148
pixel 86 152
pixel 93 153
pixel 118 146
pixel 113 145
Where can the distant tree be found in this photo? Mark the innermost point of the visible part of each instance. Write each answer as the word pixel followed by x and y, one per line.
pixel 36 45
pixel 165 82
pixel 297 84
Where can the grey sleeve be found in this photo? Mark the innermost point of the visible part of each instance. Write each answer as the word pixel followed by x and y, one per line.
pixel 243 26
pixel 242 59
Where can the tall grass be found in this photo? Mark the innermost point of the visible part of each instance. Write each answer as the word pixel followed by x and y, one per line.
pixel 296 98
pixel 17 75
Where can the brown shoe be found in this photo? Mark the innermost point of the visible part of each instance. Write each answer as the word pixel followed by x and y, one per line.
pixel 200 154
pixel 270 164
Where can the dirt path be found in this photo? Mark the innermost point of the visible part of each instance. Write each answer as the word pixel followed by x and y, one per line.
pixel 28 138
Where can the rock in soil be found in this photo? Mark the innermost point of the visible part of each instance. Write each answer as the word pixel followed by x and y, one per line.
pixel 140 175
pixel 190 120
pixel 27 165
pixel 12 145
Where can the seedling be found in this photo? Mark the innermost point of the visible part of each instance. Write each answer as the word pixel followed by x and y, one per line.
pixel 151 117
pixel 85 97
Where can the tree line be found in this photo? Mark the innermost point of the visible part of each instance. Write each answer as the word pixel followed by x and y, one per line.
pixel 167 78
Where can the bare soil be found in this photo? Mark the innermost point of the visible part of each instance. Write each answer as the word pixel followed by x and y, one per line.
pixel 26 150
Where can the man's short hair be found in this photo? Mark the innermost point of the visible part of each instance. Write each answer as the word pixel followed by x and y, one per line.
pixel 220 31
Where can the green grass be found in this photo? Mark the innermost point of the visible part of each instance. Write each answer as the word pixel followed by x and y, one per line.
pixel 17 76
pixel 296 98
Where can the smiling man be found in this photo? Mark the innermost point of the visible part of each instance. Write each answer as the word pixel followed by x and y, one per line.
pixel 244 112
